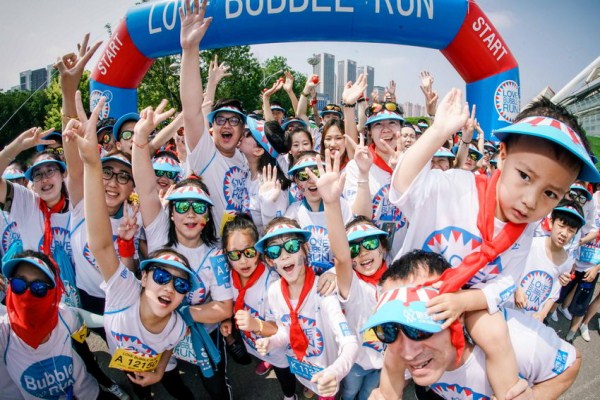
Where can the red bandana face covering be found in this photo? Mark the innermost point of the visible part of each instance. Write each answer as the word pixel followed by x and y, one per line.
pixel 33 318
pixel 491 247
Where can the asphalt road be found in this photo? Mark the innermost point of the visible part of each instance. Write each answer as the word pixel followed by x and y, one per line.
pixel 248 386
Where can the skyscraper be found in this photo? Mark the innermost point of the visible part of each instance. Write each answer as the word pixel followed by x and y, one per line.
pixel 346 71
pixel 37 79
pixel 326 71
pixel 370 71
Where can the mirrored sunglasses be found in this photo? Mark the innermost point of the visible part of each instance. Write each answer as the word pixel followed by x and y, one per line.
pixel 183 206
pixel 378 107
pixel 170 174
pixel 388 332
pixel 369 243
pixel 126 135
pixel 303 176
pixel 37 288
pixel 162 277
pixel 291 246
pixel 235 255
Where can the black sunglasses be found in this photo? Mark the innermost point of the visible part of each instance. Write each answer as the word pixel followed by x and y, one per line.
pixel 170 174
pixel 162 277
pixel 235 255
pixel 37 288
pixel 388 332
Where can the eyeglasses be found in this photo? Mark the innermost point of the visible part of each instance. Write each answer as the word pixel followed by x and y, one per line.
pixel 37 288
pixel 233 121
pixel 183 206
pixel 388 332
pixel 473 156
pixel 162 277
pixel 303 176
pixel 170 174
pixel 377 107
pixel 292 246
pixel 40 174
pixel 369 243
pixel 126 135
pixel 122 177
pixel 235 255
pixel 106 138
pixel 59 151
pixel 332 107
pixel 580 198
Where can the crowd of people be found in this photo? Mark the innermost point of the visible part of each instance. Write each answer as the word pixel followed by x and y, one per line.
pixel 349 252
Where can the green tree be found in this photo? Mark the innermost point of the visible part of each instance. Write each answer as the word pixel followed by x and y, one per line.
pixel 19 111
pixel 161 82
pixel 53 115
pixel 271 67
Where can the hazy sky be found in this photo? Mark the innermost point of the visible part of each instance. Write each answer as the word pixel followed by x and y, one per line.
pixel 552 41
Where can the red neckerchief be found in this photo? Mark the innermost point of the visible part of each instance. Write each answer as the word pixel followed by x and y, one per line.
pixel 33 318
pixel 58 207
pixel 298 340
pixel 380 162
pixel 376 277
pixel 491 247
pixel 237 283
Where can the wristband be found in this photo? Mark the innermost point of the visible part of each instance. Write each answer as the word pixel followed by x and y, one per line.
pixel 141 146
pixel 313 102
pixel 469 142
pixel 306 94
pixel 126 248
pixel 348 105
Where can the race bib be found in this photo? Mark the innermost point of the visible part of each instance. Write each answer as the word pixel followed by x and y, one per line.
pixel 81 334
pixel 590 253
pixel 301 369
pixel 126 360
pixel 221 270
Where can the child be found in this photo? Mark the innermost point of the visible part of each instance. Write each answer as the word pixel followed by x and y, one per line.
pixel 539 283
pixel 251 279
pixel 320 346
pixel 541 157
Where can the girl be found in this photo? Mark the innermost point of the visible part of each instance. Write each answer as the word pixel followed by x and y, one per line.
pixel 251 279
pixel 140 315
pixel 167 169
pixel 334 139
pixel 320 347
pixel 296 141
pixel 186 226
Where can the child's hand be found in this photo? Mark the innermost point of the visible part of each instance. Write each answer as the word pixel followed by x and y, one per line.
pixel 520 298
pixel 520 391
pixel 70 66
pixel 564 279
pixel 590 275
pixel 362 156
pixel 452 113
pixel 245 321
pixel 149 120
pixel 262 346
pixel 447 306
pixel 193 24
pixel 326 284
pixel 431 97
pixel 226 327
pixel 83 131
pixel 326 383
pixel 270 188
pixel 469 128
pixel 128 226
pixel 330 182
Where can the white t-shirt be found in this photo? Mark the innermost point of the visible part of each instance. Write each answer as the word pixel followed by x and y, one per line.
pixel 539 280
pixel 323 323
pixel 320 256
pixel 49 370
pixel 442 207
pixel 256 301
pixel 543 229
pixel 541 355
pixel 385 214
pixel 225 178
pixel 88 274
pixel 358 307
pixel 124 329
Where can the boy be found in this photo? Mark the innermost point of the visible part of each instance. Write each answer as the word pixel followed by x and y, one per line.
pixel 539 283
pixel 542 155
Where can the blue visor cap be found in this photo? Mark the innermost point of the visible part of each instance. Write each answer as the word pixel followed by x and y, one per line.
pixel 360 231
pixel 572 211
pixel 278 108
pixel 444 152
pixel 124 118
pixel 257 129
pixel 172 260
pixel 8 268
pixel 473 149
pixel 166 164
pixel 383 115
pixel 280 230
pixel 405 305
pixel 13 173
pixel 296 120
pixel 581 189
pixel 489 146
pixel 118 158
pixel 57 136
pixel 559 133
pixel 29 172
pixel 306 162
pixel 189 192
pixel 211 116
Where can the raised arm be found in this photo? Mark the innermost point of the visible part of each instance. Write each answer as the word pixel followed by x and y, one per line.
pixel 452 115
pixel 431 97
pixel 266 100
pixel 193 28
pixel 301 109
pixel 166 134
pixel 216 73
pixel 466 139
pixel 364 160
pixel 288 86
pixel 352 92
pixel 143 173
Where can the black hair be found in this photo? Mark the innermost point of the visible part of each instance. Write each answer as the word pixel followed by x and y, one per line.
pixel 361 219
pixel 289 135
pixel 407 124
pixel 276 137
pixel 234 103
pixel 241 222
pixel 209 233
pixel 168 250
pixel 567 218
pixel 47 260
pixel 408 265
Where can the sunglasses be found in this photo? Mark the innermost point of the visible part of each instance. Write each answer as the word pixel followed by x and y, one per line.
pixel 580 198
pixel 37 288
pixel 474 156
pixel 378 107
pixel 126 135
pixel 235 255
pixel 106 138
pixel 39 175
pixel 122 177
pixel 233 121
pixel 332 107
pixel 369 243
pixel 292 246
pixel 183 206
pixel 170 174
pixel 59 151
pixel 162 277
pixel 388 332
pixel 303 176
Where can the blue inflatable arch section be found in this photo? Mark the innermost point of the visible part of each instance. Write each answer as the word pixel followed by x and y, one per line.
pixel 458 28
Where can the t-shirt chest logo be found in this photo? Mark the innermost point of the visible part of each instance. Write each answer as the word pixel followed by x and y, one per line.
pixel 234 189
pixel 313 334
pixel 537 286
pixel 384 211
pixel 60 236
pixel 132 343
pixel 457 392
pixel 10 236
pixel 48 379
pixel 318 255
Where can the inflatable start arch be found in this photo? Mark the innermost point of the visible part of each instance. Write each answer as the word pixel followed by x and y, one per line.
pixel 458 28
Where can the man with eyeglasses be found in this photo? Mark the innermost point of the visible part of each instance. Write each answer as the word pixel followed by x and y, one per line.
pixel 56 147
pixel 123 132
pixel 453 367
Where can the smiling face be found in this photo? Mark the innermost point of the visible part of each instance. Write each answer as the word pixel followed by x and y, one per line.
pixel 226 136
pixel 48 187
pixel 368 262
pixel 189 225
pixel 532 181
pixel 290 267
pixel 116 193
pixel 308 188
pixel 162 299
pixel 386 131
pixel 241 240
pixel 124 145
pixel 300 142
pixel 334 141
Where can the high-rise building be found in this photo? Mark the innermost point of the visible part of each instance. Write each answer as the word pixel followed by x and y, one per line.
pixel 370 71
pixel 380 92
pixel 36 79
pixel 346 71
pixel 326 71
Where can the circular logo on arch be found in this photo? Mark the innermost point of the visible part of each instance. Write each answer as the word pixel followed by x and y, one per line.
pixel 507 101
pixel 49 378
pixel 95 96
